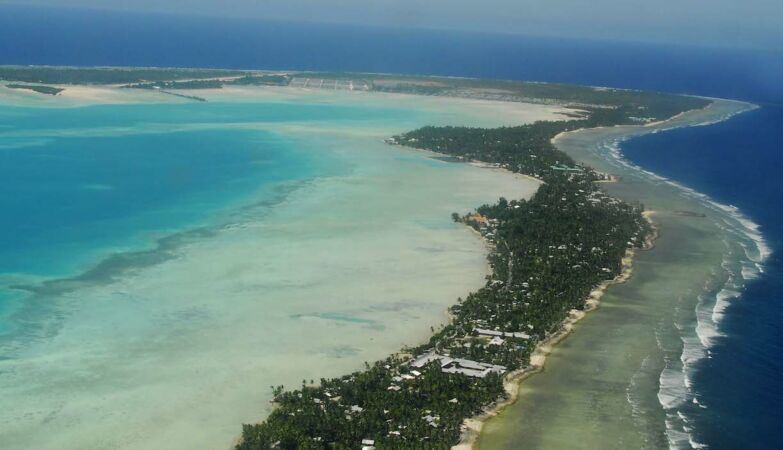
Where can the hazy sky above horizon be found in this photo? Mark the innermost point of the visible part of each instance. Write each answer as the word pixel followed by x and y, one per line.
pixel 756 23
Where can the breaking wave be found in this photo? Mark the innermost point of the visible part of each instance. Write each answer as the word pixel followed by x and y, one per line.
pixel 746 250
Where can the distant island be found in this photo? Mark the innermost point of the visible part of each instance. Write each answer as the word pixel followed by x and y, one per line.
pixel 623 106
pixel 548 256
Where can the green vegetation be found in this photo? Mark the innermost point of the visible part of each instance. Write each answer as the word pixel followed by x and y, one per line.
pixel 340 413
pixel 109 75
pixel 524 149
pixel 189 84
pixel 49 90
pixel 548 253
pixel 272 80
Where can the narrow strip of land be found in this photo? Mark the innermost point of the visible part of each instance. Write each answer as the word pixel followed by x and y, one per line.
pixel 548 256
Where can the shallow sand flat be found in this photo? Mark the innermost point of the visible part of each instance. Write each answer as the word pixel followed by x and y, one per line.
pixel 450 110
pixel 109 94
pixel 347 269
pixel 81 95
pixel 618 380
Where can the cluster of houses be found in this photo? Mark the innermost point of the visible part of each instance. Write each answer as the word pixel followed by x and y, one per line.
pixel 642 119
pixel 564 168
pixel 457 365
pixel 447 364
pixel 486 226
pixel 502 334
pixel 338 84
pixel 467 367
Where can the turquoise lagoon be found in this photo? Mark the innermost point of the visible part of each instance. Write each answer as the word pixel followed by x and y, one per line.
pixel 163 264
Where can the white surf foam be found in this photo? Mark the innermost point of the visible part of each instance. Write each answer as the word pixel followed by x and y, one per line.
pixel 706 329
pixel 746 252
pixel 673 391
pixel 750 271
pixel 736 219
pixel 723 299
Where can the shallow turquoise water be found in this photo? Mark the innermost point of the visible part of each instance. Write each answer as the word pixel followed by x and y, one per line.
pixel 86 180
pixel 84 183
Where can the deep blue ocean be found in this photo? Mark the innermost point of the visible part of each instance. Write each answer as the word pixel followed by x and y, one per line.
pixel 739 162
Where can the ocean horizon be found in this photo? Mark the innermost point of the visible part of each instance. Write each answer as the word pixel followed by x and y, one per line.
pixel 731 385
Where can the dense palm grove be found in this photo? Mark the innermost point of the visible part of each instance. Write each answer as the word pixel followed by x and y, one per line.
pixel 528 149
pixel 547 254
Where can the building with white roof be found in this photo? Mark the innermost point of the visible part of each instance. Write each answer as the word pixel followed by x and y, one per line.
pixel 514 334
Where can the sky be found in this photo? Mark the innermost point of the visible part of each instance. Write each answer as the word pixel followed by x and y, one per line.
pixel 742 23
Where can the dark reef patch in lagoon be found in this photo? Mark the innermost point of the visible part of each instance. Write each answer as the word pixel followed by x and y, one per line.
pixel 116 266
